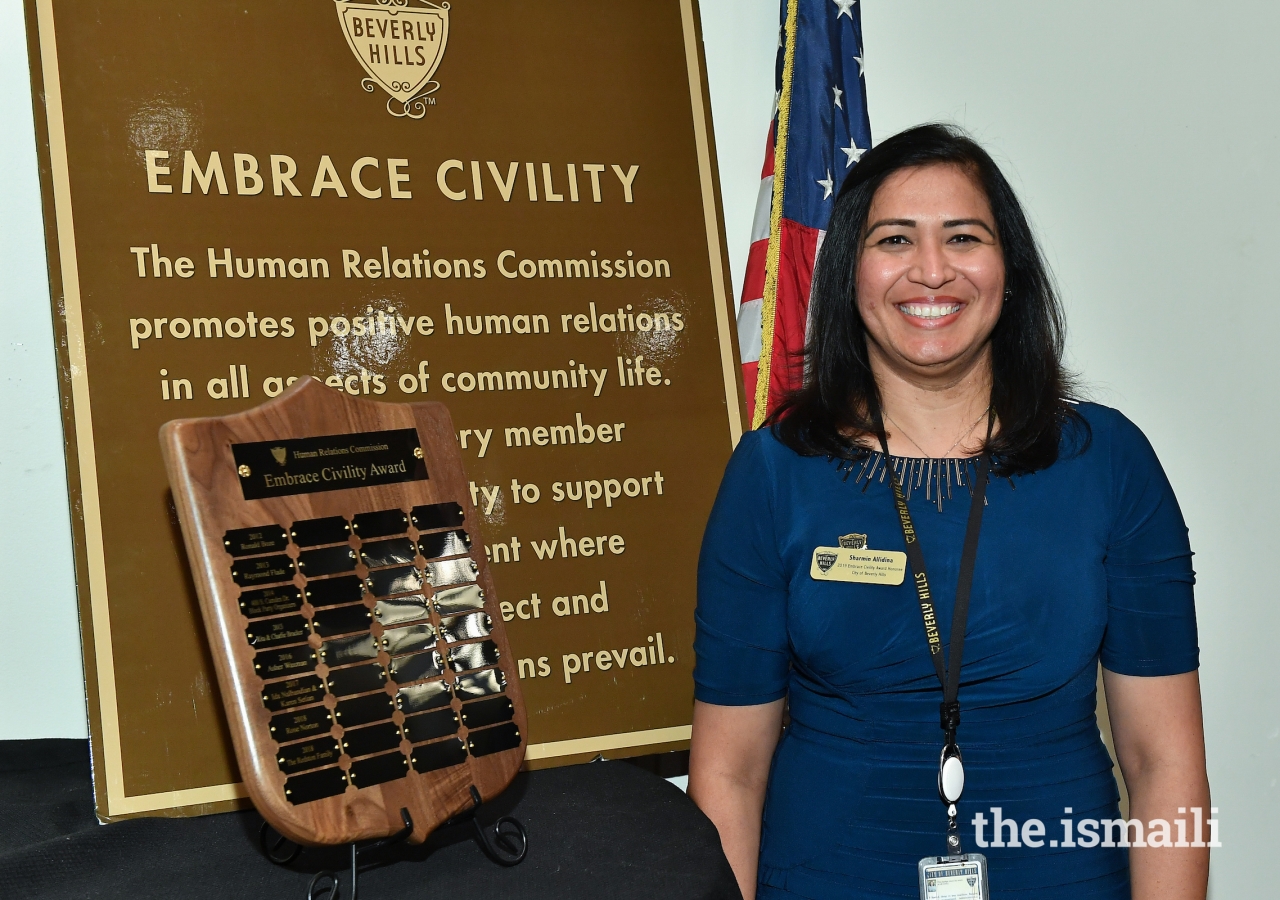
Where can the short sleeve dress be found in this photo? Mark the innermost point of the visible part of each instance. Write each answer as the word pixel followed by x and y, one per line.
pixel 1085 560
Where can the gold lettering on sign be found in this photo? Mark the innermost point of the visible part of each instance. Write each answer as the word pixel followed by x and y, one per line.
pixel 399 44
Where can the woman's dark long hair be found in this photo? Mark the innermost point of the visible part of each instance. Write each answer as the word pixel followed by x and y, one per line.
pixel 840 399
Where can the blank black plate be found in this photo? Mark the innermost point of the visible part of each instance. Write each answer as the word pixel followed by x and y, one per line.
pixel 274 632
pixel 380 524
pixel 355 680
pixel 271 601
pixel 444 543
pixel 247 541
pixel 392 552
pixel 330 530
pixel 255 570
pixel 315 786
pixel 487 712
pixel 284 662
pixel 379 769
pixel 466 628
pixel 480 684
pixel 408 669
pixel 409 639
pixel 308 755
pixel 400 609
pixel 473 656
pixel 341 620
pixel 362 710
pixel 350 649
pixel 326 561
pixel 419 697
pixel 429 726
pixel 493 740
pixel 401 580
pixel 371 739
pixel 459 599
pixel 437 515
pixel 332 591
pixel 281 695
pixel 450 572
pixel 430 757
pixel 305 723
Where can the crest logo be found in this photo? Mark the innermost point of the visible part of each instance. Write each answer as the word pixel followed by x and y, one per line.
pixel 280 454
pixel 826 561
pixel 853 541
pixel 972 880
pixel 400 44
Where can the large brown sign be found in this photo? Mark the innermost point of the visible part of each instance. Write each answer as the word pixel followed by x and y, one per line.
pixel 510 208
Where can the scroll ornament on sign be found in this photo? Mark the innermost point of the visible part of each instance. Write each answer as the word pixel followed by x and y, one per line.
pixel 400 45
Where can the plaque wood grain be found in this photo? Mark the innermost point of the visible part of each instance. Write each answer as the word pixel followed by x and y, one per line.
pixel 209 501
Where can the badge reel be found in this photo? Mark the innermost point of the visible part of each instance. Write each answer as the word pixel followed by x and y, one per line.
pixel 956 876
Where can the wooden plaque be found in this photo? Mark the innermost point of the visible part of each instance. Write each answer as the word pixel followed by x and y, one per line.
pixel 354 626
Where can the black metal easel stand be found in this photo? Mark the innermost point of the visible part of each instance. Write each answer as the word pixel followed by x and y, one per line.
pixel 506 846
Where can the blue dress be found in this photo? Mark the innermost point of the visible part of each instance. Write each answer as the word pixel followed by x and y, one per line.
pixel 1087 559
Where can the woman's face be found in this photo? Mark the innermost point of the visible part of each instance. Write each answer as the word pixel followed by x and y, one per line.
pixel 931 273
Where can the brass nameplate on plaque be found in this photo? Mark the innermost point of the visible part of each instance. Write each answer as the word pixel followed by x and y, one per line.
pixel 328 463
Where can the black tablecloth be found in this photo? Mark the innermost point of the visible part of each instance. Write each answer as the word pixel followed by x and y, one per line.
pixel 606 829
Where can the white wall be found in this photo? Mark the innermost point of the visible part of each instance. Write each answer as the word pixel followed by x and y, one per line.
pixel 1140 137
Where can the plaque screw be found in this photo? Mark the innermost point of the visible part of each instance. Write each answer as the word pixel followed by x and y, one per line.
pixel 417 452
pixel 244 471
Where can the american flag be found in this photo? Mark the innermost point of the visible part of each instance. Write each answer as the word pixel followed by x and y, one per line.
pixel 819 131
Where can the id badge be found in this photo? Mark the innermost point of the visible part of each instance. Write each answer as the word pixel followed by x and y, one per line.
pixel 954 877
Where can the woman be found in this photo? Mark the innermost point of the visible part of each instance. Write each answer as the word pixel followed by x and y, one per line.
pixel 936 342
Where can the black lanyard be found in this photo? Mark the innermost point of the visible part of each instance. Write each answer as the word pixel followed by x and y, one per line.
pixel 949 671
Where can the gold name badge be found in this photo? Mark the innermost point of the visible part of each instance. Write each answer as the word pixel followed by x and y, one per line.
pixel 861 566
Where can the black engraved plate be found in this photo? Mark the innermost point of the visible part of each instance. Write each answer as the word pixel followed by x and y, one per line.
pixel 380 523
pixel 356 680
pixel 304 723
pixel 466 628
pixel 326 561
pixel 341 620
pixel 487 712
pixel 308 755
pixel 371 739
pixel 378 770
pixel 392 552
pixel 271 601
pixel 399 641
pixel 274 632
pixel 456 600
pixel 315 786
pixel 332 591
pixel 444 543
pixel 473 656
pixel 493 740
pixel 437 515
pixel 395 581
pixel 329 530
pixel 362 710
pixel 420 697
pixel 278 696
pixel 248 541
pixel 344 650
pixel 284 662
pixel 432 725
pixel 451 572
pixel 332 462
pixel 256 570
pixel 430 757
pixel 480 684
pixel 407 669
pixel 400 609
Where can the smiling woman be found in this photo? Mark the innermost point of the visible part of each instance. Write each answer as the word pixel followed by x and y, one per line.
pixel 936 424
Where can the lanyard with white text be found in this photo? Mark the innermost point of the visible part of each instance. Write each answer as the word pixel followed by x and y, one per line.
pixel 950 764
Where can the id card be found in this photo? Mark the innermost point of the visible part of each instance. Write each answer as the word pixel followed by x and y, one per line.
pixel 864 566
pixel 954 877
